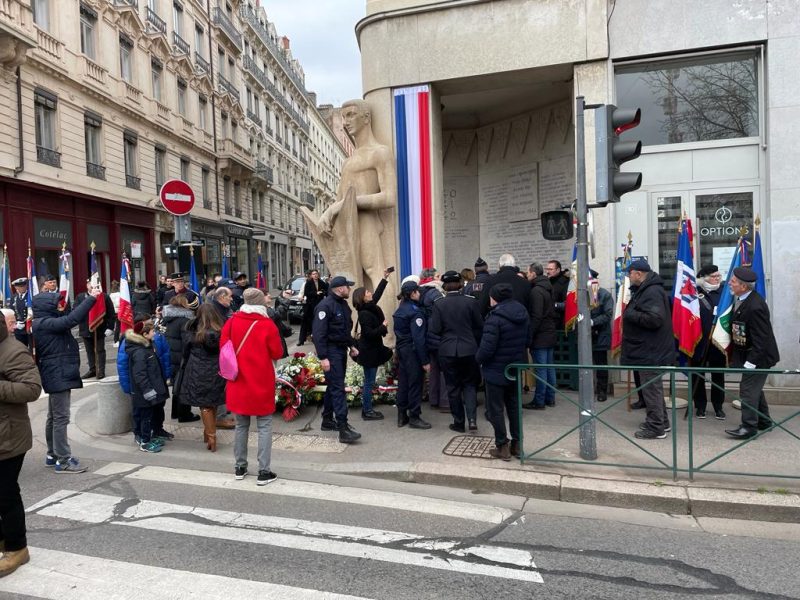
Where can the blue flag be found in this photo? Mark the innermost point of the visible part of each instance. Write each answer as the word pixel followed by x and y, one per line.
pixel 758 267
pixel 193 274
pixel 226 269
pixel 6 284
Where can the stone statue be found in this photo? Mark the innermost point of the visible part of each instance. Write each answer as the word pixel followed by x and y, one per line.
pixel 356 234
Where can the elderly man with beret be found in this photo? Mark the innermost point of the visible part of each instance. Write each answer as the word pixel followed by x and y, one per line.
pixel 754 347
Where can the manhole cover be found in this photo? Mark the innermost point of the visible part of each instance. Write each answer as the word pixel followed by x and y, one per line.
pixel 471 446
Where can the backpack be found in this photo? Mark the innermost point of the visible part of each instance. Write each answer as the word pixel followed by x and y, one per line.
pixel 228 363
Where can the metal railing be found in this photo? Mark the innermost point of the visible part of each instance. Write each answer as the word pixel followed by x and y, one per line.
pixel 96 171
pixel 133 182
pixel 181 45
pixel 309 199
pixel 201 63
pixel 48 156
pixel 254 117
pixel 227 86
pixel 157 22
pixel 222 21
pixel 600 415
pixel 130 3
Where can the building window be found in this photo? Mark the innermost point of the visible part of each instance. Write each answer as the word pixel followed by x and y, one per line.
pixel 202 105
pixel 156 70
pixel 126 58
pixel 224 125
pixel 45 105
pixel 185 169
pixel 198 40
pixel 221 62
pixel 234 131
pixel 237 198
pixel 181 97
pixel 204 178
pixel 692 100
pixel 177 18
pixel 226 195
pixel 88 31
pixel 130 149
pixel 160 167
pixel 254 205
pixel 41 13
pixel 92 130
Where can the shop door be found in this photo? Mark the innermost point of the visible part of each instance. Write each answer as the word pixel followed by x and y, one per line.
pixel 669 208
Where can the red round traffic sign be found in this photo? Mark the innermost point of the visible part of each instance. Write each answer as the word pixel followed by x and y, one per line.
pixel 177 197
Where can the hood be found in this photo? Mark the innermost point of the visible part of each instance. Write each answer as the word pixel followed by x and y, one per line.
pixel 177 311
pixel 542 281
pixel 652 279
pixel 250 316
pixel 434 283
pixel 141 291
pixel 45 304
pixel 134 339
pixel 512 311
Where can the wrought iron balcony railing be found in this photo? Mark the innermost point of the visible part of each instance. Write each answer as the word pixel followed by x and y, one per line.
pixel 48 156
pixel 96 171
pixel 156 22
pixel 222 21
pixel 181 45
pixel 132 181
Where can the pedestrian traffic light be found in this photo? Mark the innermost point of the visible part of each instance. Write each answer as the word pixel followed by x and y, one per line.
pixel 610 122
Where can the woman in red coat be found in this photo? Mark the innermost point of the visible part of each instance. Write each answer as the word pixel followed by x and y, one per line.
pixel 258 342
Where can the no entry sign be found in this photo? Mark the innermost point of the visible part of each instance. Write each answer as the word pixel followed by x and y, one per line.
pixel 177 197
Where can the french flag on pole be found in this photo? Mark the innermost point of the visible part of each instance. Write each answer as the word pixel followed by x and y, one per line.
pixel 98 312
pixel 63 276
pixel 125 311
pixel 686 323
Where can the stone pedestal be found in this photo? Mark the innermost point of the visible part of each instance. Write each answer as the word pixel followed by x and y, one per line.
pixel 113 408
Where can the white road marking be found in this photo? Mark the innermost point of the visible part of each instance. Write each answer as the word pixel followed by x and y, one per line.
pixel 330 493
pixel 311 536
pixel 115 468
pixel 56 575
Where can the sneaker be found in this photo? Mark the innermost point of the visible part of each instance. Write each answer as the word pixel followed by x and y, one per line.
pixel 265 477
pixel 329 425
pixel 69 465
pixel 50 461
pixel 137 440
pixel 158 441
pixel 719 414
pixel 667 429
pixel 649 434
pixel 162 433
pixel 701 414
pixel 240 473
pixel 151 447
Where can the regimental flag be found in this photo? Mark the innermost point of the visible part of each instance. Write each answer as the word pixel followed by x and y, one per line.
pixel 226 267
pixel 5 272
pixel 125 311
pixel 414 181
pixel 33 288
pixel 758 264
pixel 260 280
pixel 63 276
pixel 97 313
pixel 721 333
pixel 193 275
pixel 571 302
pixel 623 298
pixel 686 324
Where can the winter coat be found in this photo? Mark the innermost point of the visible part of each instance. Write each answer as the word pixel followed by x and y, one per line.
pixel 647 337
pixel 410 330
pixel 106 323
pixel 455 326
pixel 143 301
pixel 428 294
pixel 520 288
pixel 313 295
pixel 333 325
pixel 19 384
pixel 560 285
pixel 477 285
pixel 504 341
pixel 542 314
pixel 371 351
pixel 253 392
pixel 602 315
pixel 708 305
pixel 161 347
pixel 752 339
pixel 237 292
pixel 148 385
pixel 57 352
pixel 201 383
pixel 174 320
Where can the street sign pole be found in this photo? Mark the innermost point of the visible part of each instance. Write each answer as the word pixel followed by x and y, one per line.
pixel 588 436
pixel 183 228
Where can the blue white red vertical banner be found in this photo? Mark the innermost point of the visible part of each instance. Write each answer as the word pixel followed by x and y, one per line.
pixel 125 311
pixel 686 324
pixel 260 279
pixel 63 275
pixel 414 192
pixel 623 297
pixel 758 263
pixel 98 311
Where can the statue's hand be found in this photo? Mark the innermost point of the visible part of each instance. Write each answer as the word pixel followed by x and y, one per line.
pixel 329 217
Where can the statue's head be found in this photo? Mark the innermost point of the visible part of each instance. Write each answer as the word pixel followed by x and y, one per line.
pixel 356 114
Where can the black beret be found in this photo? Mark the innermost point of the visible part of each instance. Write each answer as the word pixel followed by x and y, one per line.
pixel 501 291
pixel 451 277
pixel 745 274
pixel 593 273
pixel 707 270
pixel 49 277
pixel 481 263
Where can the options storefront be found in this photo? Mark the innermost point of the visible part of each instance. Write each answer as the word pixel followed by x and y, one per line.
pixel 242 251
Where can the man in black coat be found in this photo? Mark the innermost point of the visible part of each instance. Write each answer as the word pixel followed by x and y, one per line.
pixel 94 342
pixel 559 280
pixel 59 363
pixel 706 354
pixel 754 347
pixel 179 288
pixel 507 273
pixel 240 279
pixel 313 292
pixel 602 315
pixel 542 337
pixel 454 332
pixel 143 300
pixel 648 341
pixel 482 277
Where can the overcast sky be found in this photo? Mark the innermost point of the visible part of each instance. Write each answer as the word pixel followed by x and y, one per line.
pixel 322 35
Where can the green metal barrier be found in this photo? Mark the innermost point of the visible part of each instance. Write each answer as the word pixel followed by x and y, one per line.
pixel 513 372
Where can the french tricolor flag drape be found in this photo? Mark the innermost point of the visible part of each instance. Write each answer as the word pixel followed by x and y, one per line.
pixel 413 151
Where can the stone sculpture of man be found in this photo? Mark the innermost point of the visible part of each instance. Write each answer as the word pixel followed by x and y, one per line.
pixel 356 234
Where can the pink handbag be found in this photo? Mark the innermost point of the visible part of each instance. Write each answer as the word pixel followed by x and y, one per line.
pixel 228 363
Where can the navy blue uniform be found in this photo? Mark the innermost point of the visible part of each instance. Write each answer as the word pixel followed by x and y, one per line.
pixel 410 333
pixel 331 332
pixel 19 304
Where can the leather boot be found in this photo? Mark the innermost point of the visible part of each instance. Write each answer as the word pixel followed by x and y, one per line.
pixel 209 416
pixel 514 448
pixel 225 422
pixel 501 452
pixel 11 561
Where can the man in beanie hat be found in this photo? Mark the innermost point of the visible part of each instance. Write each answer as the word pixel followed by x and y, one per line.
pixel 482 277
pixel 754 347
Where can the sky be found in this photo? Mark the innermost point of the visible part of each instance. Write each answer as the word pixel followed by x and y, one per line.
pixel 322 35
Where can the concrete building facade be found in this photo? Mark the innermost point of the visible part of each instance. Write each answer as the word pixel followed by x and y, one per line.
pixel 717 85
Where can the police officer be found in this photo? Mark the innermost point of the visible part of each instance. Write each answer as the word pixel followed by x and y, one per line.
pixel 454 330
pixel 179 288
pixel 409 331
pixel 19 304
pixel 332 336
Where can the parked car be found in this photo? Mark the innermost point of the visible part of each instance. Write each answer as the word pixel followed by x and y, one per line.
pixel 295 284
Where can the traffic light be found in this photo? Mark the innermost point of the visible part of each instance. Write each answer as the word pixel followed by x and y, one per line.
pixel 610 122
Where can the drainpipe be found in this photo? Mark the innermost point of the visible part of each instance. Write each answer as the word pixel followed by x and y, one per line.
pixel 21 167
pixel 213 107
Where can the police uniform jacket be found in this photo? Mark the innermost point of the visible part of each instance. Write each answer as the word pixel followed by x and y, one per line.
pixel 191 297
pixel 477 285
pixel 751 334
pixel 333 325
pixel 410 329
pixel 455 325
pixel 19 304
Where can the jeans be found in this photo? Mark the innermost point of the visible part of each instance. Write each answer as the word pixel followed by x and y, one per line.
pixel 143 423
pixel 544 394
pixel 653 395
pixel 501 401
pixel 12 512
pixel 264 426
pixel 461 377
pixel 55 428
pixel 370 373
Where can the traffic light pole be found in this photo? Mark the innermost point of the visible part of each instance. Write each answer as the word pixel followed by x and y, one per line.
pixel 588 435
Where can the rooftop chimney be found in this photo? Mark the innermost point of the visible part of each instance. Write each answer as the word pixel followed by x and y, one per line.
pixel 285 42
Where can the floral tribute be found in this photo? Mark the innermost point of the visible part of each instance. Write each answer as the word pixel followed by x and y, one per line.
pixel 295 383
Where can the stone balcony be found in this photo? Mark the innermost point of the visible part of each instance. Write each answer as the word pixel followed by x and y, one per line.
pixel 226 26
pixel 17 32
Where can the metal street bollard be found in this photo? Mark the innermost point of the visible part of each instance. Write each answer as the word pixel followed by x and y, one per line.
pixel 113 408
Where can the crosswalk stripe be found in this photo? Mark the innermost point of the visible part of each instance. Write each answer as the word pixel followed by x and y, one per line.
pixel 490 560
pixel 56 575
pixel 330 493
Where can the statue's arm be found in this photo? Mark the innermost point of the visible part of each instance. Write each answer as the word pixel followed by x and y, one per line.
pixel 387 183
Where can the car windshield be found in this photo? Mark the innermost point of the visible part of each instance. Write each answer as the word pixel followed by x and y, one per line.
pixel 297 284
